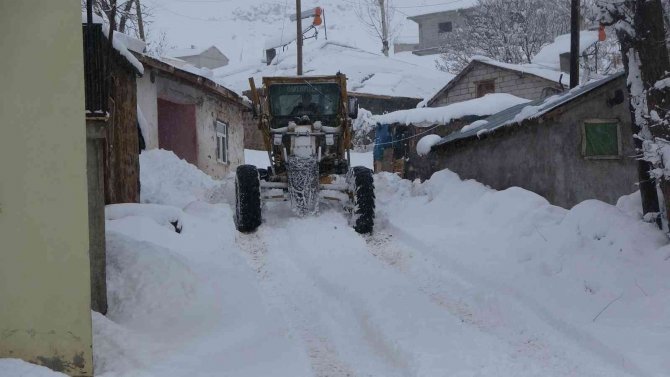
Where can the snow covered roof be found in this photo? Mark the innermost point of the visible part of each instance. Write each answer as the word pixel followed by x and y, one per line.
pixel 118 41
pixel 189 51
pixel 200 77
pixel 367 72
pixel 519 113
pixel 542 71
pixel 421 10
pixel 550 55
pixel 530 69
pixel 427 116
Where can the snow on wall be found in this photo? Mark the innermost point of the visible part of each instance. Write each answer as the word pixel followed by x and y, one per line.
pixel 487 105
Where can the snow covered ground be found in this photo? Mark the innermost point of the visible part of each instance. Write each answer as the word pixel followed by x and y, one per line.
pixel 457 280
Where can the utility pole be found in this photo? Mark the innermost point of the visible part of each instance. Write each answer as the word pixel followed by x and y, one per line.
pixel 140 23
pixel 298 40
pixel 574 44
pixel 385 30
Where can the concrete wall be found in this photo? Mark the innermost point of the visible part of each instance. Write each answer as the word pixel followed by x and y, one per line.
pixel 429 35
pixel 546 158
pixel 506 81
pixel 208 109
pixel 45 298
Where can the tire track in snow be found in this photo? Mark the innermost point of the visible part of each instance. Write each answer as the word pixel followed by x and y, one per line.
pixel 457 273
pixel 325 361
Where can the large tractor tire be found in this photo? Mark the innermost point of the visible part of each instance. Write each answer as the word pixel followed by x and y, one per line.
pixel 364 200
pixel 247 199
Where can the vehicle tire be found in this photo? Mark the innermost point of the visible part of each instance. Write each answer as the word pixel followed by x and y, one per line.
pixel 247 199
pixel 364 200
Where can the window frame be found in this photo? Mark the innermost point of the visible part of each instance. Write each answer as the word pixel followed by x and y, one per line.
pixel 617 122
pixel 221 139
pixel 439 27
pixel 482 82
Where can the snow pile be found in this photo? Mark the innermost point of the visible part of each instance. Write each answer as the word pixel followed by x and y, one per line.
pixel 425 143
pixel 167 179
pixel 427 116
pixel 550 55
pixel 20 368
pixel 593 277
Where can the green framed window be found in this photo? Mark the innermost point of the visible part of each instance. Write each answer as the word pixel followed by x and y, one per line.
pixel 601 139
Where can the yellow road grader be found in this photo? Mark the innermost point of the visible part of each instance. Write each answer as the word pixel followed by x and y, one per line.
pixel 306 123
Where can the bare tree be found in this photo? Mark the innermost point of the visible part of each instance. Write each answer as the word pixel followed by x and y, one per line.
pixel 511 31
pixel 640 28
pixel 131 16
pixel 377 16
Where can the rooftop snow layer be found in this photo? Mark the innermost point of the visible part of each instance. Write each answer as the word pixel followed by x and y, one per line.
pixel 521 112
pixel 188 51
pixel 418 10
pixel 118 43
pixel 550 55
pixel 426 116
pixel 366 72
pixel 545 72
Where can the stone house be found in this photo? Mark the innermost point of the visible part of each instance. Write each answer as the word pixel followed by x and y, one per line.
pixel 568 148
pixel 484 75
pixel 202 57
pixel 397 134
pixel 199 120
pixel 435 26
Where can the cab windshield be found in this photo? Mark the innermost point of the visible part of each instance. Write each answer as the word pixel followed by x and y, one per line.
pixel 318 101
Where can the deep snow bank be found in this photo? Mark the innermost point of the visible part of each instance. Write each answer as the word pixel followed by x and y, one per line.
pixel 596 273
pixel 167 179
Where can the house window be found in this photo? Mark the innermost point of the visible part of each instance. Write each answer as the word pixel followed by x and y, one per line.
pixel 221 142
pixel 485 87
pixel 601 139
pixel 444 27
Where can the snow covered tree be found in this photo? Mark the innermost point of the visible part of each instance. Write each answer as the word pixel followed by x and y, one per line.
pixel 511 31
pixel 640 28
pixel 377 16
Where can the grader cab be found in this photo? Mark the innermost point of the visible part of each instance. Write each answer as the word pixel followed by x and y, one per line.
pixel 307 129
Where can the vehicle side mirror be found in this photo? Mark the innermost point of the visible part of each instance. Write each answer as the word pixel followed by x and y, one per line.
pixel 353 107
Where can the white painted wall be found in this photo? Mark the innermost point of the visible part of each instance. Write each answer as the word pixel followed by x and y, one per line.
pixel 208 109
pixel 147 101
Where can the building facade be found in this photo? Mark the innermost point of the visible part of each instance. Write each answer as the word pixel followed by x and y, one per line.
pixel 580 148
pixel 434 27
pixel 483 76
pixel 200 121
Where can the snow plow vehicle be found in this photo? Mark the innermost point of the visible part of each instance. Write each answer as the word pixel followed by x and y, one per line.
pixel 306 122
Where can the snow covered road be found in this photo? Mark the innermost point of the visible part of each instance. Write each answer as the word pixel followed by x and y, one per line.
pixel 457 280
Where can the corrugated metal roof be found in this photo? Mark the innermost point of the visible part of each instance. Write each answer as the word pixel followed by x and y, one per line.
pixel 531 110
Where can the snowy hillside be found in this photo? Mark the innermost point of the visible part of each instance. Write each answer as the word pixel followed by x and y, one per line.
pixel 241 30
pixel 478 283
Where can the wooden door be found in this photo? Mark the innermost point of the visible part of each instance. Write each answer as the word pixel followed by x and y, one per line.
pixel 177 130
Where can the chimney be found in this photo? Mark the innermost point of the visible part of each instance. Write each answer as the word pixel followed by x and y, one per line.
pixel 565 62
